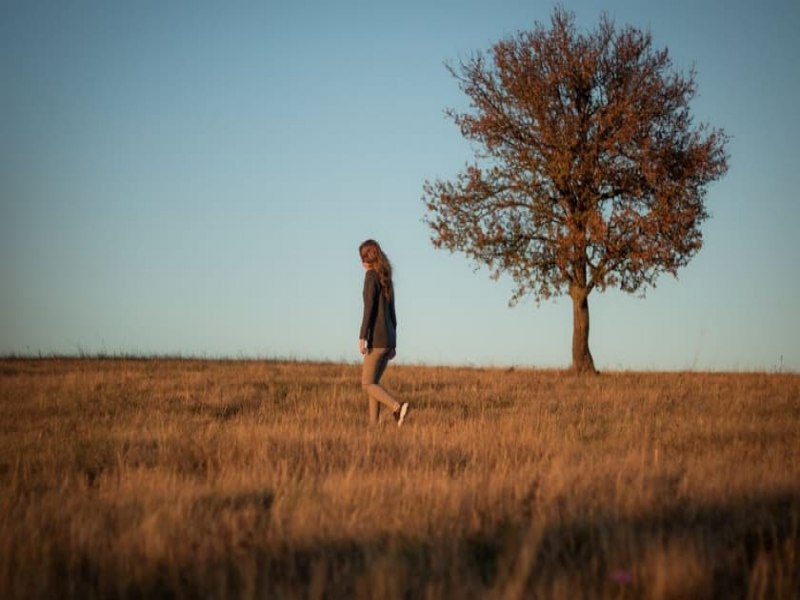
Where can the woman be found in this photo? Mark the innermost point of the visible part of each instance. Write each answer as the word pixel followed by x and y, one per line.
pixel 378 335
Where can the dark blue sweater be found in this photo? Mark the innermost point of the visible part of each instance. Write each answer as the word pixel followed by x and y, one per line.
pixel 379 323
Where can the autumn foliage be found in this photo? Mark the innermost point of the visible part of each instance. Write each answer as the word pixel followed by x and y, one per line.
pixel 589 171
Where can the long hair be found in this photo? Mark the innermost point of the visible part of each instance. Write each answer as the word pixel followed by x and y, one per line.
pixel 372 254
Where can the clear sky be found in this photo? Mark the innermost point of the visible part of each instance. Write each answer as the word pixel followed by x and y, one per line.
pixel 195 178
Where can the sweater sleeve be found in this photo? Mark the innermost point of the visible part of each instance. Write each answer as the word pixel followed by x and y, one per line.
pixel 370 294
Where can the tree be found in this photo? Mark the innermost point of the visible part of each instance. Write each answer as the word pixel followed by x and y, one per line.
pixel 588 170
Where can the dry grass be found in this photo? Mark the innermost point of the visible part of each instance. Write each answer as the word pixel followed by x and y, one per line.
pixel 182 478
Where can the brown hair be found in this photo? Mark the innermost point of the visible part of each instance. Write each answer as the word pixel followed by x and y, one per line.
pixel 371 253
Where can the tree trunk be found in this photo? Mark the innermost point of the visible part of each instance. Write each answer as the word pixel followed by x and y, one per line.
pixel 582 361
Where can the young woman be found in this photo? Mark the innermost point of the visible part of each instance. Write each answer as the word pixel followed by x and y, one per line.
pixel 378 335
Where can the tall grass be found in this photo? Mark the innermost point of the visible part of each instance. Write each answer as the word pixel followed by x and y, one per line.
pixel 235 479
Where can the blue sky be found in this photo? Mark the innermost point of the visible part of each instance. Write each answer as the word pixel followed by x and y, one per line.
pixel 195 178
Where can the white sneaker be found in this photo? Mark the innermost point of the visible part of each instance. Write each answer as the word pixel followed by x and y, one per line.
pixel 401 413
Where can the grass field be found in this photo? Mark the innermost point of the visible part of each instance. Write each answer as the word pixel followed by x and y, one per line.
pixel 177 478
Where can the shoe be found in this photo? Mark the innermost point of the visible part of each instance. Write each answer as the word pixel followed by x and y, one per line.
pixel 400 414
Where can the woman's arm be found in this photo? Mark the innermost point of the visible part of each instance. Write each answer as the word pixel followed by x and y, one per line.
pixel 371 291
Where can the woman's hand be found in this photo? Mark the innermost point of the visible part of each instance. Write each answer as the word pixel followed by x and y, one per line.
pixel 362 346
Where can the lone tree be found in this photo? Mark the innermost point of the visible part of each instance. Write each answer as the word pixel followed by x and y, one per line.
pixel 588 170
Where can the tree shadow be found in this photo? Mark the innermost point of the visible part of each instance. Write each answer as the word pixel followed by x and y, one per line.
pixel 596 556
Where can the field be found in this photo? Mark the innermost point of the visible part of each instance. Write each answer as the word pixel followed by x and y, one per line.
pixel 170 478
